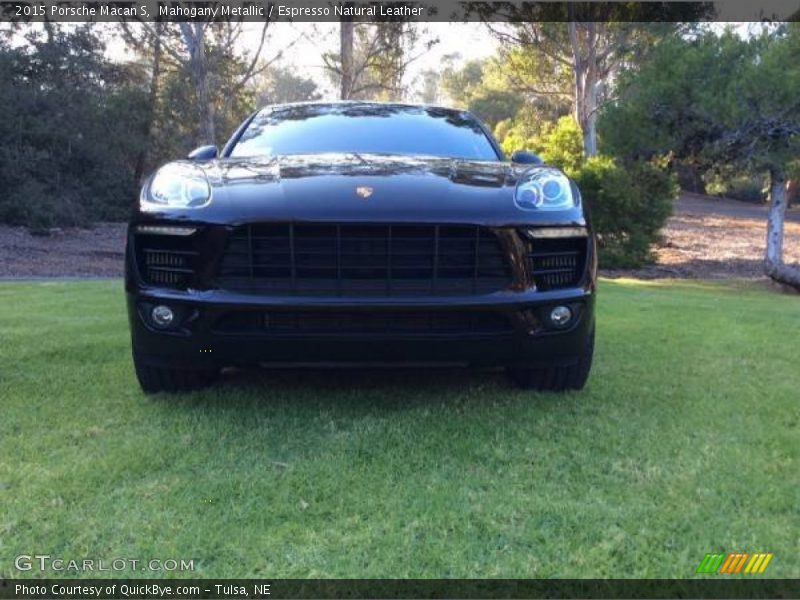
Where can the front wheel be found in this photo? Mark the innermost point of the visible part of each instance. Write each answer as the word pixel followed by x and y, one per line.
pixel 154 379
pixel 556 378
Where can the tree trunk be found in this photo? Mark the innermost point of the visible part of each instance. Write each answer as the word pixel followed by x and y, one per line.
pixel 141 160
pixel 585 83
pixel 193 36
pixel 207 111
pixel 346 52
pixel 589 125
pixel 773 263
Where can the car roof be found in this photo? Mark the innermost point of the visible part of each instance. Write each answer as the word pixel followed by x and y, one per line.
pixel 365 104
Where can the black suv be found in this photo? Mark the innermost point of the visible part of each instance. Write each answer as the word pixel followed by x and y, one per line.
pixel 360 233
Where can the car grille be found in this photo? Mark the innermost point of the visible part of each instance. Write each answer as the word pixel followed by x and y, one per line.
pixel 353 259
pixel 412 322
pixel 557 263
pixel 165 261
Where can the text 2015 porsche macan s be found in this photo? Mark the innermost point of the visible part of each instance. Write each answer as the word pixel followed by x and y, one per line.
pixel 360 233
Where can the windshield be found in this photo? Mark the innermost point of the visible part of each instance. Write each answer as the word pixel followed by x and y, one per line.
pixel 364 128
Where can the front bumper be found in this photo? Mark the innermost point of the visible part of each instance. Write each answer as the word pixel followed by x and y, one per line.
pixel 222 327
pixel 512 329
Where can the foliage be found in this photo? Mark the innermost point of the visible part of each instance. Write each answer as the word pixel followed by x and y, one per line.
pixel 668 105
pixel 379 56
pixel 559 144
pixel 714 100
pixel 739 185
pixel 429 84
pixel 70 130
pixel 628 206
pixel 547 84
pixel 493 105
pixel 358 473
pixel 179 108
pixel 722 101
pixel 562 145
pixel 571 54
pixel 80 130
pixel 199 78
pixel 523 131
pixel 280 85
pixel 461 84
pixel 479 86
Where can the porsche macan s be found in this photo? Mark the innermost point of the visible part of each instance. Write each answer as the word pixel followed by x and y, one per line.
pixel 360 233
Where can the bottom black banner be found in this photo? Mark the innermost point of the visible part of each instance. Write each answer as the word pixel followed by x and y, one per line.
pixel 70 589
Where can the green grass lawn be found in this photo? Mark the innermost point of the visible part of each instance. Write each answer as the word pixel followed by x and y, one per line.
pixel 686 441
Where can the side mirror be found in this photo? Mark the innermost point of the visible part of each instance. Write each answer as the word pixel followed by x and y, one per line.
pixel 523 157
pixel 203 153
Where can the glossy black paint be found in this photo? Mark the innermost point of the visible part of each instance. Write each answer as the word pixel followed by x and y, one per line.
pixel 321 188
pixel 204 153
pixel 523 157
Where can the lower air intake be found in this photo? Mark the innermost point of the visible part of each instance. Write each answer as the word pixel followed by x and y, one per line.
pixel 413 322
pixel 558 263
pixel 165 261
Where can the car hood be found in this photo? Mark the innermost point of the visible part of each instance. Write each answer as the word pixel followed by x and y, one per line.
pixel 362 188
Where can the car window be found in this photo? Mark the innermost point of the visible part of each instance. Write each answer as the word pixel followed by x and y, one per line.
pixel 364 128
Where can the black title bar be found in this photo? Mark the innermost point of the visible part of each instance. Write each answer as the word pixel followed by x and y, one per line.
pixel 409 10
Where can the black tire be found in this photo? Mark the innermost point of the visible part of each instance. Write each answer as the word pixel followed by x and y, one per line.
pixel 556 378
pixel 164 379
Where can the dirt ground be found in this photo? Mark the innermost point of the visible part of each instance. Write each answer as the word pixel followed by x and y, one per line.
pixel 96 252
pixel 712 238
pixel 707 238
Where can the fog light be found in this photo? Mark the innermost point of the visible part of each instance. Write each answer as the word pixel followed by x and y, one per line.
pixel 162 316
pixel 560 316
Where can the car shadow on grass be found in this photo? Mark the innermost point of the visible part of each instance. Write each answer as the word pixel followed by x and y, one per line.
pixel 364 390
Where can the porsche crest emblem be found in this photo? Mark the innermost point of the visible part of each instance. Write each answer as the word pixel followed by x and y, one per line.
pixel 364 191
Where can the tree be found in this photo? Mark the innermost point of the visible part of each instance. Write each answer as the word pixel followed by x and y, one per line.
pixel 721 100
pixel 579 57
pixel 72 129
pixel 764 122
pixel 479 85
pixel 574 48
pixel 280 85
pixel 462 84
pixel 207 54
pixel 152 101
pixel 429 92
pixel 373 58
pixel 346 67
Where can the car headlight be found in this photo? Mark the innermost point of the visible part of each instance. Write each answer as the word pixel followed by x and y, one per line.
pixel 544 189
pixel 179 185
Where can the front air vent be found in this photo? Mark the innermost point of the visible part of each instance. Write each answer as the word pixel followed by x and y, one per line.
pixel 165 261
pixel 558 263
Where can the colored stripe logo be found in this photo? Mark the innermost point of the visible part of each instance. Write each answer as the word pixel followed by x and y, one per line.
pixel 735 563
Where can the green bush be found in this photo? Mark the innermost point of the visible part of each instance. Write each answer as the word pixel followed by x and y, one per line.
pixel 34 205
pixel 562 144
pixel 559 144
pixel 748 187
pixel 628 207
pixel 72 131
